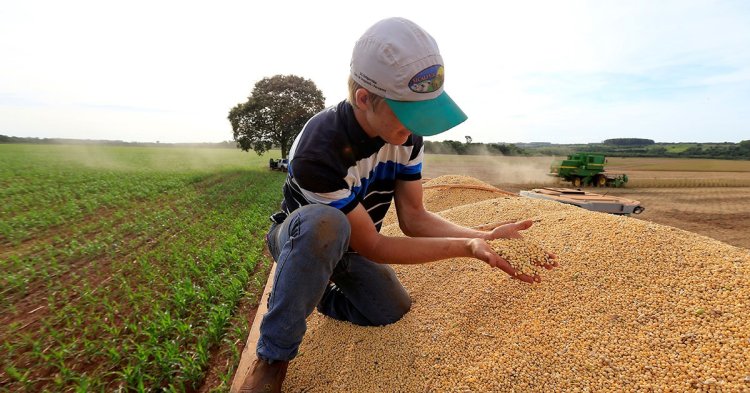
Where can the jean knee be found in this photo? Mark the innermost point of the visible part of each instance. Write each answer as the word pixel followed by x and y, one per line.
pixel 401 305
pixel 329 227
pixel 331 220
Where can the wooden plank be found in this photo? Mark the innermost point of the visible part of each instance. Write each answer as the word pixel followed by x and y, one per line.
pixel 248 354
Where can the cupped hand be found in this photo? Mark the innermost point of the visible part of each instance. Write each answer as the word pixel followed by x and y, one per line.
pixel 481 250
pixel 550 263
pixel 510 230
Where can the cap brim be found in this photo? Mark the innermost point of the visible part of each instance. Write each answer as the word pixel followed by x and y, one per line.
pixel 429 117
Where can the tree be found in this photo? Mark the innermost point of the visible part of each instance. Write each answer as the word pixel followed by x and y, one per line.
pixel 468 139
pixel 629 142
pixel 275 113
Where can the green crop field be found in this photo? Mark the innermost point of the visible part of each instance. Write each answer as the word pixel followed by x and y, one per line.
pixel 123 267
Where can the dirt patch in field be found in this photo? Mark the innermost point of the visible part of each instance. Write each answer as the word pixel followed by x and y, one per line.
pixel 722 213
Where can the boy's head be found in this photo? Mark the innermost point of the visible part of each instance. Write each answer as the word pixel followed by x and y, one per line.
pixel 399 61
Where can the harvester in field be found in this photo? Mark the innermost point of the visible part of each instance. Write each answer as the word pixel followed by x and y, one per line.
pixel 587 169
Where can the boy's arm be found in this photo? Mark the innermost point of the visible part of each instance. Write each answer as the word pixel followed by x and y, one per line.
pixel 366 240
pixel 415 220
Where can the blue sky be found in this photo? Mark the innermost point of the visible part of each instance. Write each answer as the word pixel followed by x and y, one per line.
pixel 562 72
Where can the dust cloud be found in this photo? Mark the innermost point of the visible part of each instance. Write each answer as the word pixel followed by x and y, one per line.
pixel 94 157
pixel 493 169
pixel 162 159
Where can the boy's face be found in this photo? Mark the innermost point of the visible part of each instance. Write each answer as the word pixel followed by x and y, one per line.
pixel 380 121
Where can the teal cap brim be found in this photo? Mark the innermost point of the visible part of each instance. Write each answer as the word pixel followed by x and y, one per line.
pixel 429 117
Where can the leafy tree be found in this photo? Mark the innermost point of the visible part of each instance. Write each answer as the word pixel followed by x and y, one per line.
pixel 628 142
pixel 468 139
pixel 275 113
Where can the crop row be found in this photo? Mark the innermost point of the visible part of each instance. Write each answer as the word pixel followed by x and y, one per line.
pixel 136 298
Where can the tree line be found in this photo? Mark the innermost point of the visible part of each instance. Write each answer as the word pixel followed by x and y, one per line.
pixel 724 150
pixel 6 139
pixel 471 148
pixel 622 147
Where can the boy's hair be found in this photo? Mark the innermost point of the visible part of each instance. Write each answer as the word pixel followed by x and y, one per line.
pixel 374 98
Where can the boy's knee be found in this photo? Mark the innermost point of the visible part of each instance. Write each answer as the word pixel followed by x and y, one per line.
pixel 328 226
pixel 401 306
pixel 330 220
pixel 326 218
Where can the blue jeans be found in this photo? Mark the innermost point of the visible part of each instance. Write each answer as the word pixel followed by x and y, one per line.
pixel 313 268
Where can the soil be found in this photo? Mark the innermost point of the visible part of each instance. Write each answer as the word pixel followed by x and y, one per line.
pixel 722 213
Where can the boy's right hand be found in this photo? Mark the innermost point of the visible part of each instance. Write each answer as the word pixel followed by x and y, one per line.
pixel 482 251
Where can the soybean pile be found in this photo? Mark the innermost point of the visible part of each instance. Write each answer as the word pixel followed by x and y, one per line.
pixel 633 306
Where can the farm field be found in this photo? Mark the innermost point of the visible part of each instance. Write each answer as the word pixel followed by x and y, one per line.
pixel 129 268
pixel 709 197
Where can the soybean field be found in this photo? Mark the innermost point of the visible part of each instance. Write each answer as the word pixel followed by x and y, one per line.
pixel 122 268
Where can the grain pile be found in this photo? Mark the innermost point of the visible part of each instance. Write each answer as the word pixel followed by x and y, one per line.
pixel 449 191
pixel 446 192
pixel 633 306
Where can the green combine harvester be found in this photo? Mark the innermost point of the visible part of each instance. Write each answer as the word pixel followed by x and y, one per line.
pixel 587 169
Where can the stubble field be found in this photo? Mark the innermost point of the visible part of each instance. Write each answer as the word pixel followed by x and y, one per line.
pixel 709 197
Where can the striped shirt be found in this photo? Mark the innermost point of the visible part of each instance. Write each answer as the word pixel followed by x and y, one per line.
pixel 334 162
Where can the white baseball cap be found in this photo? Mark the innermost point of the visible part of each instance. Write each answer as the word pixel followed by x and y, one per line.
pixel 398 60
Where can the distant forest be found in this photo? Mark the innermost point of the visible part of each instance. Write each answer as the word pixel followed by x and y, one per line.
pixel 618 147
pixel 63 141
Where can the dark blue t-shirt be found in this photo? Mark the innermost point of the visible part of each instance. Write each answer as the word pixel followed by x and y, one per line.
pixel 334 162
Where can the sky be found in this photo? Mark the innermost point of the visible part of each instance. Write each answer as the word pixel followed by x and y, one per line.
pixel 523 71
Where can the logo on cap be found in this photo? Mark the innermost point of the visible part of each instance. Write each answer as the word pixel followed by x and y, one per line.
pixel 428 80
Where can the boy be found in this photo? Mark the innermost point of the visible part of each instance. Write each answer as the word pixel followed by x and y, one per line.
pixel 346 166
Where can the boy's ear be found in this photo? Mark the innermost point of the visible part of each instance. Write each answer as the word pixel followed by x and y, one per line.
pixel 362 99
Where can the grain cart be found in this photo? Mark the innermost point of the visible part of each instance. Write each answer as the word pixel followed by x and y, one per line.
pixel 587 200
pixel 587 169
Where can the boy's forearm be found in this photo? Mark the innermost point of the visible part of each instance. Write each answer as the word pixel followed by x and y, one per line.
pixel 413 250
pixel 432 225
